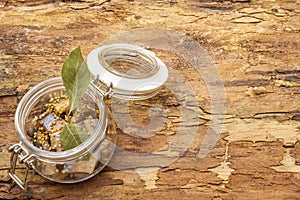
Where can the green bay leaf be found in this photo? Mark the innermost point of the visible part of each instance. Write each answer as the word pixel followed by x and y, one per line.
pixel 72 136
pixel 76 77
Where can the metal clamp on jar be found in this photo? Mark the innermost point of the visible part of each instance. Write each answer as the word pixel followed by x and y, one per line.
pixel 121 70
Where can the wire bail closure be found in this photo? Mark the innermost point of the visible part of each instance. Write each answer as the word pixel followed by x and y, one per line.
pixel 17 151
pixel 97 83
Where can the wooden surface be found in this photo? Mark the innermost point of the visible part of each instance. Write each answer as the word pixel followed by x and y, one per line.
pixel 255 46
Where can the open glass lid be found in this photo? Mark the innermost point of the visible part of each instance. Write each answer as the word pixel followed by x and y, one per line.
pixel 134 72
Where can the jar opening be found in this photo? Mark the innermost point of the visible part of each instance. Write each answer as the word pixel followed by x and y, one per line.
pixel 128 61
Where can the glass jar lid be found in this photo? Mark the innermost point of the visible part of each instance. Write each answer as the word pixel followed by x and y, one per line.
pixel 134 72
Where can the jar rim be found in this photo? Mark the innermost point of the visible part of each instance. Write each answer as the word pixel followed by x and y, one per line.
pixel 23 110
pixel 127 53
pixel 128 86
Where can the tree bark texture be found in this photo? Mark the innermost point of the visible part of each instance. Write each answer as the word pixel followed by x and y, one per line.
pixel 255 46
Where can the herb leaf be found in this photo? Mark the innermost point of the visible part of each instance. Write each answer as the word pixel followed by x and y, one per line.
pixel 76 77
pixel 72 136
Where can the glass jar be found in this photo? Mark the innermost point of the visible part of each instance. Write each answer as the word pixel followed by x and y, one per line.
pixel 69 166
pixel 122 70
